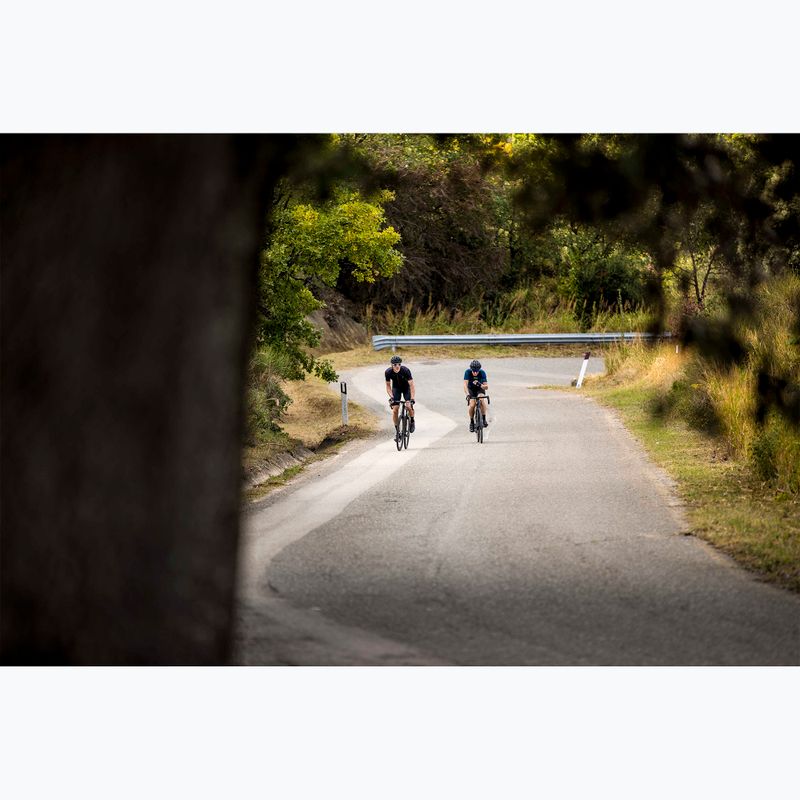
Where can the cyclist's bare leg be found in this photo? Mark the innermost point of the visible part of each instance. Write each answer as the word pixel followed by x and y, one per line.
pixel 483 408
pixel 410 408
pixel 471 408
pixel 395 414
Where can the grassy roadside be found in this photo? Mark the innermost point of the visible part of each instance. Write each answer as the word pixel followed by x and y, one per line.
pixel 313 422
pixel 727 505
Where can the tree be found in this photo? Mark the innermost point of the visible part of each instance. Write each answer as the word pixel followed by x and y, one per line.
pixel 311 245
pixel 744 192
pixel 129 267
pixel 597 272
pixel 699 260
pixel 447 209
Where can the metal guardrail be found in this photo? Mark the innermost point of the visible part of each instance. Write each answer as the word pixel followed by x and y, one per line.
pixel 384 342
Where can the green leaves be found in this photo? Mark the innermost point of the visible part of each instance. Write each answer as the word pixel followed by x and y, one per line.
pixel 314 243
pixel 309 246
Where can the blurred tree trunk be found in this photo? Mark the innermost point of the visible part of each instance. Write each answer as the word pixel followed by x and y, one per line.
pixel 128 270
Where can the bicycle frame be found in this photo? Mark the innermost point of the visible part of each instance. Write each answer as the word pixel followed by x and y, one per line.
pixel 478 417
pixel 402 433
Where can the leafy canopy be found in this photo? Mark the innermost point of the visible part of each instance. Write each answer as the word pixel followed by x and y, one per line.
pixel 309 246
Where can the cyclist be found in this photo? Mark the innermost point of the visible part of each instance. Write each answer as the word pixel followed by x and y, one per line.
pixel 475 383
pixel 399 381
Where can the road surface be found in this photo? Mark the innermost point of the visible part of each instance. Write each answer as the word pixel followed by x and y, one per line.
pixel 556 542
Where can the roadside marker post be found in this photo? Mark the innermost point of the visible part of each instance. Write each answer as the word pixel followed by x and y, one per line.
pixel 343 388
pixel 583 369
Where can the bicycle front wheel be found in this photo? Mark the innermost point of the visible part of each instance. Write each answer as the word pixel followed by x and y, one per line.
pixel 405 432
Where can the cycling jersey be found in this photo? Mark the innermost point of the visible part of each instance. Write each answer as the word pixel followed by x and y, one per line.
pixel 400 378
pixel 474 381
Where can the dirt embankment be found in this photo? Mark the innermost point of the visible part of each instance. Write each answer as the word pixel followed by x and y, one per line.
pixel 338 324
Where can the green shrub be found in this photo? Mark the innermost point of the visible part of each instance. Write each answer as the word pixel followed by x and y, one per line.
pixel 265 399
pixel 775 454
pixel 764 452
pixel 689 399
pixel 597 284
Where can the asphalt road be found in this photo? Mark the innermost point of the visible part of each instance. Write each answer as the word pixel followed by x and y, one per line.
pixel 556 542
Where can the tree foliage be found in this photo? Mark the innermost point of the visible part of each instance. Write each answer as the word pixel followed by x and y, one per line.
pixel 311 245
pixel 732 200
pixel 465 238
pixel 596 272
pixel 447 209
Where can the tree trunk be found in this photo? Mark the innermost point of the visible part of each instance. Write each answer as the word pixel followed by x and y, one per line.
pixel 128 269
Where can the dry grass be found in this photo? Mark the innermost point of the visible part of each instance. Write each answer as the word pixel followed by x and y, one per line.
pixel 755 521
pixel 656 364
pixel 524 310
pixel 717 400
pixel 313 421
pixel 315 415
pixel 732 395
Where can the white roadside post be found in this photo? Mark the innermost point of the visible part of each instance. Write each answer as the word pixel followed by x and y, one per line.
pixel 583 369
pixel 343 387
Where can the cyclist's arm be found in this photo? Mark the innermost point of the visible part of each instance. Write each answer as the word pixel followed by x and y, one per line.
pixel 389 389
pixel 466 387
pixel 413 390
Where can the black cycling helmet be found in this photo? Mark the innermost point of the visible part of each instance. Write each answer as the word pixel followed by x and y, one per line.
pixel 397 360
pixel 475 364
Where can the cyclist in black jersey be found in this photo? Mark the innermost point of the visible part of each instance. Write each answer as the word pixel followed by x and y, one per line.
pixel 399 381
pixel 475 383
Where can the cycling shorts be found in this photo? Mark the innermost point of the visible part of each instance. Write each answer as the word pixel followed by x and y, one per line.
pixel 397 392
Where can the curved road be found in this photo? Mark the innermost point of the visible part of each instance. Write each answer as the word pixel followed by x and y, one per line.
pixel 555 542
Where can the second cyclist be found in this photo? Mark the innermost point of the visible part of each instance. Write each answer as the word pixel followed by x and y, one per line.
pixel 475 383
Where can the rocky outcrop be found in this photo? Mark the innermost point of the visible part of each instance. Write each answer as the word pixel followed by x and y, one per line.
pixel 338 324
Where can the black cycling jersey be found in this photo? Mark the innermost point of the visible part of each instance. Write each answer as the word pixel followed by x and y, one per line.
pixel 400 378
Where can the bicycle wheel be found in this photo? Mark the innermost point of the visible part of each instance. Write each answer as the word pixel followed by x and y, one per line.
pixel 478 423
pixel 398 439
pixel 405 429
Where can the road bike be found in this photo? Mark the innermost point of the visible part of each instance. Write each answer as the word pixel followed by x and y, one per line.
pixel 478 418
pixel 402 433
